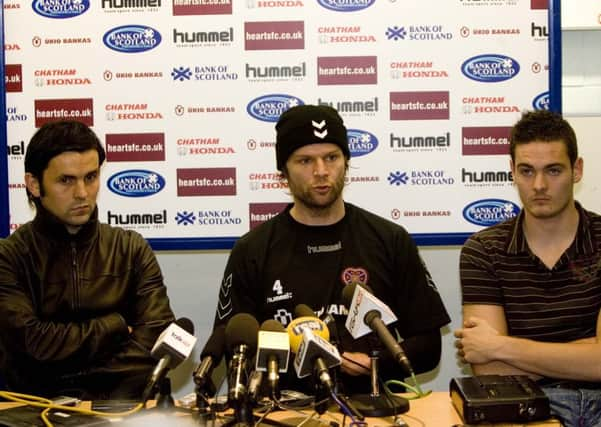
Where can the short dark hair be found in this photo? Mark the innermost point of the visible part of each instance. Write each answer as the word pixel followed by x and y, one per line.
pixel 55 138
pixel 546 126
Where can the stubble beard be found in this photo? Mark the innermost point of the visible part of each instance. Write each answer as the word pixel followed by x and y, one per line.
pixel 305 198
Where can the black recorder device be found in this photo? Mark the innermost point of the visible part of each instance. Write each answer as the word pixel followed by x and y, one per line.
pixel 498 398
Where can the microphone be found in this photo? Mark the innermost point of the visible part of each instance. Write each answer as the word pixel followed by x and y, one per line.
pixel 172 347
pixel 273 351
pixel 309 340
pixel 209 358
pixel 241 341
pixel 367 313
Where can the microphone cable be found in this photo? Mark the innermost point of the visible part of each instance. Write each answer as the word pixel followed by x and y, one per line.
pixel 415 389
pixel 42 402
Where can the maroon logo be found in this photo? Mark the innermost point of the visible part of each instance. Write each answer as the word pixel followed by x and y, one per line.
pixel 187 7
pixel 258 213
pixel 206 182
pixel 347 70
pixel 125 147
pixel 13 78
pixel 485 140
pixel 539 4
pixel 419 105
pixel 274 35
pixel 356 275
pixel 51 110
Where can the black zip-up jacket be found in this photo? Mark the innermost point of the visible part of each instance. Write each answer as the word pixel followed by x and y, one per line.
pixel 66 302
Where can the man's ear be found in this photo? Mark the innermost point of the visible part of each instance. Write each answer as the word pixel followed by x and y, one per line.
pixel 32 184
pixel 578 169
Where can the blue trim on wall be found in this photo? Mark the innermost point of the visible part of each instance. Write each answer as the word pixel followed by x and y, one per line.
pixel 4 208
pixel 214 243
pixel 555 69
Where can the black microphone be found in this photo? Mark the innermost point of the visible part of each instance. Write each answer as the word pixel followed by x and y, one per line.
pixel 209 358
pixel 362 303
pixel 241 341
pixel 172 347
pixel 272 353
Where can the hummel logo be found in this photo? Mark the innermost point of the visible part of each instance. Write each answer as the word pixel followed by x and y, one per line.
pixel 317 126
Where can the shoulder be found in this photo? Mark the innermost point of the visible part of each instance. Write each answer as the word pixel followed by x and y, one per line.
pixel 363 216
pixel 369 225
pixel 20 240
pixel 121 237
pixel 261 234
pixel 494 237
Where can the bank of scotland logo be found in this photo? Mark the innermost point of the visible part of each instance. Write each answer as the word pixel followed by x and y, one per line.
pixel 185 218
pixel 60 9
pixel 396 33
pixel 181 73
pixel 397 178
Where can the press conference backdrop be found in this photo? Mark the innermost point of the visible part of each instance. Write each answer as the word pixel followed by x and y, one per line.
pixel 185 95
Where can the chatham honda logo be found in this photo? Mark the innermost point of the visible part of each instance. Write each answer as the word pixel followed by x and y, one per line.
pixel 487 212
pixel 251 4
pixel 416 70
pixel 346 5
pixel 344 34
pixel 361 142
pixel 268 108
pixel 136 183
pixel 202 7
pixel 60 9
pixel 131 112
pixel 274 35
pixel 487 105
pixel 59 77
pixel 541 101
pixel 132 38
pixel 490 68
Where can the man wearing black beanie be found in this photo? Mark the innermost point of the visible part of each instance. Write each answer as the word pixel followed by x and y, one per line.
pixel 319 245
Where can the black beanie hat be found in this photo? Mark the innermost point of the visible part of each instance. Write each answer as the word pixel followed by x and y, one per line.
pixel 308 124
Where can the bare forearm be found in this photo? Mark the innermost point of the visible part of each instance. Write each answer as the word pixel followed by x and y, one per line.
pixel 501 368
pixel 577 361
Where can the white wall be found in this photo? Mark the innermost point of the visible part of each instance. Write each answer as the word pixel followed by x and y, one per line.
pixel 193 278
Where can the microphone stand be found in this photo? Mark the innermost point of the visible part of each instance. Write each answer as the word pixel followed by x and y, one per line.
pixel 376 404
pixel 164 399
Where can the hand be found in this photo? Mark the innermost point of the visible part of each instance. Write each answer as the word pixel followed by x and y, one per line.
pixel 355 363
pixel 477 342
pixel 130 329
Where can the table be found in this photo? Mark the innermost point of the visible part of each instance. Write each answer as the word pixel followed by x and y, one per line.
pixel 434 410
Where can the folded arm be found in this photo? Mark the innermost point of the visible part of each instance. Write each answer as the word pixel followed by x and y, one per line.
pixel 483 342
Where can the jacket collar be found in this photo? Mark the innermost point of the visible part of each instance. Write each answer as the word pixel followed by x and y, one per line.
pixel 53 228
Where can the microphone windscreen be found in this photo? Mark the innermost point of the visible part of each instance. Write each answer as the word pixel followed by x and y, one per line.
pixel 186 324
pixel 241 329
pixel 347 294
pixel 303 310
pixel 215 346
pixel 296 327
pixel 272 326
